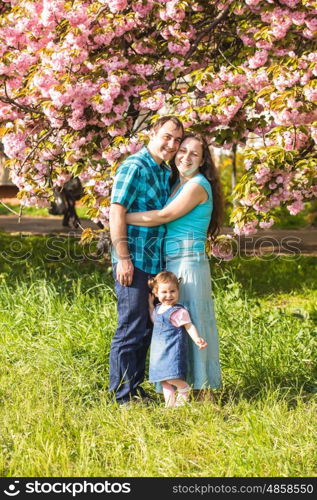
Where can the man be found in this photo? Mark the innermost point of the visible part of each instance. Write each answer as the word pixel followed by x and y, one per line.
pixel 141 184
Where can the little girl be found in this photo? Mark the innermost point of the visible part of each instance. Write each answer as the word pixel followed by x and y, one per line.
pixel 168 357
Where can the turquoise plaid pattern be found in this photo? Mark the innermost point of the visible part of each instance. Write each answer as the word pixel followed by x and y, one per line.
pixel 140 185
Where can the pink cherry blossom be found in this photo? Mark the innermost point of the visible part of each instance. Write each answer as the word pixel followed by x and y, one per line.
pixel 259 59
pixel 222 250
pixel 88 79
pixel 266 224
pixel 246 229
pixel 295 207
pixel 116 5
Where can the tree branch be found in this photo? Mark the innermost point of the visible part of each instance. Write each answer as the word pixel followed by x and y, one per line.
pixel 35 147
pixel 148 114
pixel 24 108
pixel 8 208
pixel 212 25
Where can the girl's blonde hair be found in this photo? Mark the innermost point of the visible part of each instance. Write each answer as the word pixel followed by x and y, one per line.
pixel 163 277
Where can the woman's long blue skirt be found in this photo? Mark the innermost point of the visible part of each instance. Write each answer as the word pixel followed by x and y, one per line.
pixel 195 294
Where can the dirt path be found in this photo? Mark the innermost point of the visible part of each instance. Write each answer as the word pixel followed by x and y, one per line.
pixel 40 225
pixel 275 241
pixel 279 242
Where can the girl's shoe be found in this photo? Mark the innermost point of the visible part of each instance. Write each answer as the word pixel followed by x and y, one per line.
pixel 183 396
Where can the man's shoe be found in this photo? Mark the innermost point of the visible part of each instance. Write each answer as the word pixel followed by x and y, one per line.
pixel 127 405
pixel 145 400
pixel 124 404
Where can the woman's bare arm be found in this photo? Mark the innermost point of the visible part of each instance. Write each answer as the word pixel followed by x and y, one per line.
pixel 192 195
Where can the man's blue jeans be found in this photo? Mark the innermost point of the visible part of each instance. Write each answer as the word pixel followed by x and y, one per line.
pixel 132 337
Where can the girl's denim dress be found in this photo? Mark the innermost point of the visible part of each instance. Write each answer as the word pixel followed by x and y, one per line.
pixel 169 348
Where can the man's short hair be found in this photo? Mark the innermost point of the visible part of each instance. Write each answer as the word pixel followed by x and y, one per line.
pixel 167 118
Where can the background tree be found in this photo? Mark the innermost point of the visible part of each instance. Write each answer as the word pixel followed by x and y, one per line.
pixel 82 80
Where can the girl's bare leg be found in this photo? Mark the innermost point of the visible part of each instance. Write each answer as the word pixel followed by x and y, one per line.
pixel 169 394
pixel 183 390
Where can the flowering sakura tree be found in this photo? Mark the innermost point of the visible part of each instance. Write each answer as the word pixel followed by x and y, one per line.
pixel 81 80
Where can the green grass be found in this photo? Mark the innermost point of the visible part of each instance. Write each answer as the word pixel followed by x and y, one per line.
pixel 57 316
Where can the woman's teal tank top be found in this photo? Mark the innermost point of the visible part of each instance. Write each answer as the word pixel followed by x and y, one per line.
pixel 189 232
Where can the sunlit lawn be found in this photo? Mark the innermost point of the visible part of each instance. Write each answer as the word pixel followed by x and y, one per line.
pixel 57 314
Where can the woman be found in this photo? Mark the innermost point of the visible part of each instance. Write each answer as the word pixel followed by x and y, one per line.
pixel 193 212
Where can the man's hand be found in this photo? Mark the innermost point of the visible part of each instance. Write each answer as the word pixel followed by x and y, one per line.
pixel 125 270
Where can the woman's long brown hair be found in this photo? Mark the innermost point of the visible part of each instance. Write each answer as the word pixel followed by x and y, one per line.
pixel 209 170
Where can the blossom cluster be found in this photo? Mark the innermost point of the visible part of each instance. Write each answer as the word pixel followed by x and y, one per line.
pixel 81 81
pixel 275 176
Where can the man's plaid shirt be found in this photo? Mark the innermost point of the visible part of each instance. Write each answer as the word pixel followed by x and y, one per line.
pixel 140 185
